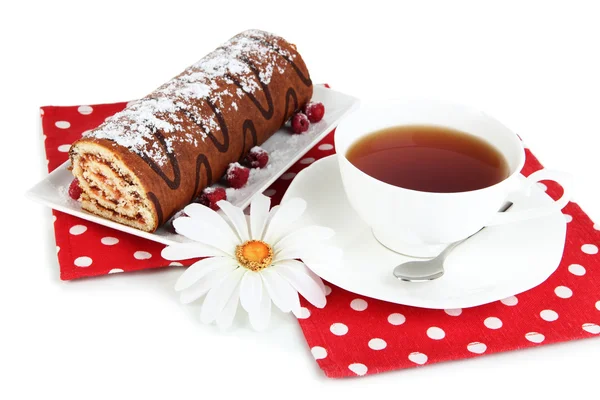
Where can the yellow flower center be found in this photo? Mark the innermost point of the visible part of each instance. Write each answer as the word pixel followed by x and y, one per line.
pixel 254 255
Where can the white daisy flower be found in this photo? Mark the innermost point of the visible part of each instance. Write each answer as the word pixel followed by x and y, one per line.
pixel 253 261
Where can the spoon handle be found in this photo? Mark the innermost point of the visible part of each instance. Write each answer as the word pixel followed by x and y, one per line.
pixel 450 247
pixel 426 270
pixel 442 256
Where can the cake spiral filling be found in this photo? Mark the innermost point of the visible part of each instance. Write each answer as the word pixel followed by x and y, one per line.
pixel 109 189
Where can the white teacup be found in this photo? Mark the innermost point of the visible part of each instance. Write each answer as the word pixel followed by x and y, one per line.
pixel 421 224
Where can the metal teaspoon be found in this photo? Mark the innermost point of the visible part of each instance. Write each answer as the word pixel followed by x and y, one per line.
pixel 427 270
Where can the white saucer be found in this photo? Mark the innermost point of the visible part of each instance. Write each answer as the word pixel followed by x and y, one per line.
pixel 499 262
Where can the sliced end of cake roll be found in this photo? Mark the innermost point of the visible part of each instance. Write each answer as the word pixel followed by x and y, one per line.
pixel 110 189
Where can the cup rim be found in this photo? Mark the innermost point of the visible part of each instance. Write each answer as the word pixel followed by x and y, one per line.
pixel 369 105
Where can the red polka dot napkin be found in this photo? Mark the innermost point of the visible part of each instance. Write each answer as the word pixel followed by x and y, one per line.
pixel 353 335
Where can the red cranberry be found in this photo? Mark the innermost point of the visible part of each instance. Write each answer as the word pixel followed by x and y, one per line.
pixel 314 111
pixel 210 197
pixel 237 176
pixel 300 123
pixel 256 158
pixel 75 190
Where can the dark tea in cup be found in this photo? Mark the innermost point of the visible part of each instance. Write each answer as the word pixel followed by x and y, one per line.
pixel 429 158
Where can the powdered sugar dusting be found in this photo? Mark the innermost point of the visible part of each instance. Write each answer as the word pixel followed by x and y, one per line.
pixel 63 191
pixel 240 60
pixel 231 167
pixel 255 180
pixel 257 150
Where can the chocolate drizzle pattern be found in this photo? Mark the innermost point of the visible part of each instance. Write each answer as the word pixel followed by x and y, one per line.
pixel 248 61
pixel 305 78
pixel 268 112
pixel 171 183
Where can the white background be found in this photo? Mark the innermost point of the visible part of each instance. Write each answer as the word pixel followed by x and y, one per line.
pixel 533 65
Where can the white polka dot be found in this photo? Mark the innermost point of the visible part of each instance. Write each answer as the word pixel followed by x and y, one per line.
pixel 327 290
pixel 85 110
pixel 86 132
pixel 307 160
pixel 63 148
pixel 62 124
pixel 591 328
pixel 477 347
pixel 453 312
pixel 288 176
pixel 542 186
pixel 77 229
pixel 510 301
pixel 57 249
pixel 54 218
pixel 269 192
pixel 44 137
pixel 597 227
pixel 83 261
pixel 417 358
pixel 577 269
pixel 176 264
pixel 589 249
pixel 142 255
pixel 338 329
pixel 377 344
pixel 318 352
pixel 598 305
pixel 563 292
pixel 535 337
pixel 358 305
pixel 396 319
pixel 436 333
pixel 109 241
pixel 493 323
pixel 549 315
pixel 568 218
pixel 325 147
pixel 304 313
pixel 358 368
pixel 115 271
pixel 41 112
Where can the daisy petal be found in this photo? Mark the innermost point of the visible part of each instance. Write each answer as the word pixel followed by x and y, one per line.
pixel 283 295
pixel 304 237
pixel 288 253
pixel 259 212
pixel 251 291
pixel 201 268
pixel 225 319
pixel 208 216
pixel 186 251
pixel 317 254
pixel 302 282
pixel 303 267
pixel 237 218
pixel 287 214
pixel 317 279
pixel 329 255
pixel 218 296
pixel 209 281
pixel 206 234
pixel 259 318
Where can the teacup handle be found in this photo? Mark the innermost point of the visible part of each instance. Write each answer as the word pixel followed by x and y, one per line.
pixel 563 178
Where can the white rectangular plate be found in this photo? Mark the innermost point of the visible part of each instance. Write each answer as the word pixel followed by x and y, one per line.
pixel 284 150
